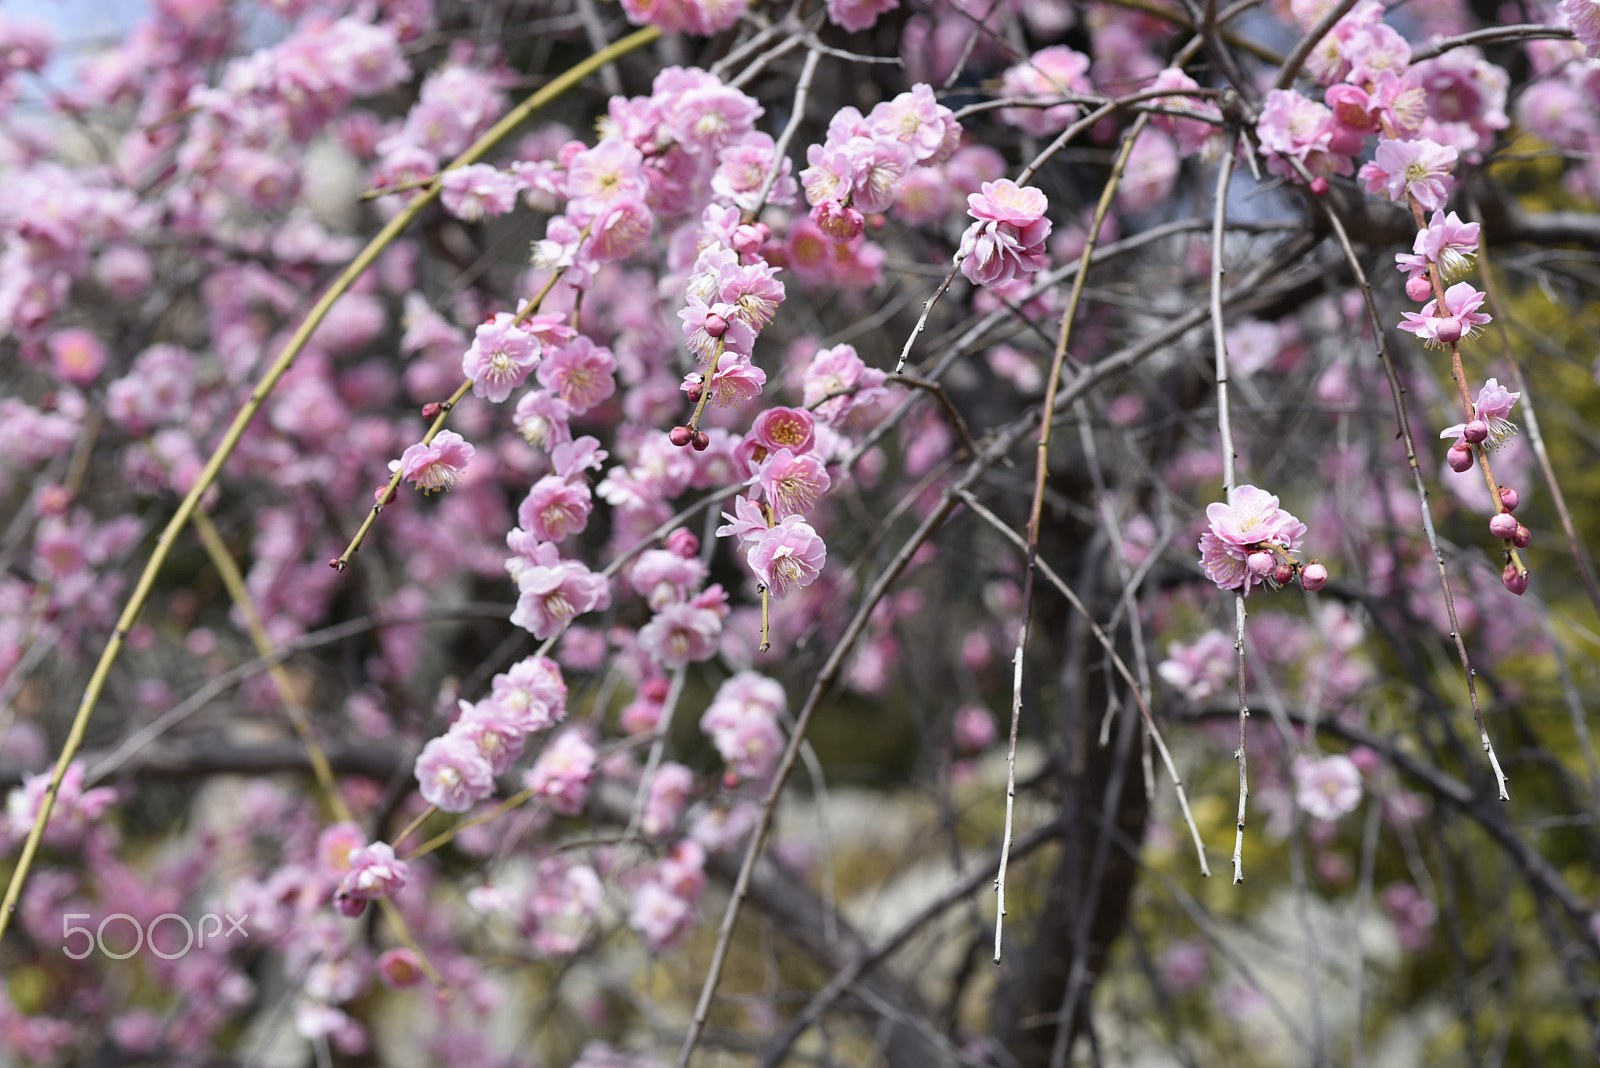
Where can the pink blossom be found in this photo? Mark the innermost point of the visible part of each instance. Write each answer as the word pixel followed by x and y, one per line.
pixel 1493 408
pixel 787 557
pixel 1252 522
pixel 973 729
pixel 669 792
pixel 477 190
pixel 552 592
pixel 453 774
pixel 848 384
pixel 1420 169
pixel 1461 302
pixel 561 909
pixel 609 173
pixel 1048 74
pixel 496 732
pixel 74 810
pixel 664 577
pixel 533 693
pixel 742 721
pixel 680 633
pixel 1327 788
pixel 1294 127
pixel 76 356
pixel 1413 915
pixel 500 358
pixel 1448 242
pixel 736 381
pixel 541 418
pixel 555 508
pixel 1008 238
pixel 436 466
pixel 374 873
pixel 857 15
pixel 579 374
pixel 1201 669
pixel 792 484
pixel 560 777
pixel 1583 18
pixel 659 915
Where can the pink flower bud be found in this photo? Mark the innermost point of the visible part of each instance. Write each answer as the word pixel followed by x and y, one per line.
pixel 1509 498
pixel 701 441
pixel 1261 564
pixel 1522 537
pixel 1459 457
pixel 694 392
pixel 1514 580
pixel 431 410
pixel 1283 573
pixel 1313 577
pixel 1419 288
pixel 682 542
pixel 1476 431
pixel 680 436
pixel 1448 330
pixel 716 325
pixel 399 968
pixel 1319 186
pixel 1503 525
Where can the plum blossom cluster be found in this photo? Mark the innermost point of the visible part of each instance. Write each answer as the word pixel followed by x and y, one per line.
pixel 1249 540
pixel 857 171
pixel 457 769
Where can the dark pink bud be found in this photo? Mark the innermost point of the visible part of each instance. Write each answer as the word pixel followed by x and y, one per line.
pixel 1448 330
pixel 1319 186
pixel 1261 564
pixel 1510 498
pixel 1503 525
pixel 680 436
pixel 1283 573
pixel 1476 431
pixel 431 410
pixel 682 542
pixel 1419 288
pixel 716 325
pixel 1313 577
pixel 701 441
pixel 1522 537
pixel 355 906
pixel 1459 457
pixel 694 392
pixel 1514 580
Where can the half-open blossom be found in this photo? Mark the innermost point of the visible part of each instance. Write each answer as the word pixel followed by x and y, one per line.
pixel 1492 408
pixel 438 466
pixel 500 357
pixel 1420 168
pixel 1328 788
pixel 1460 320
